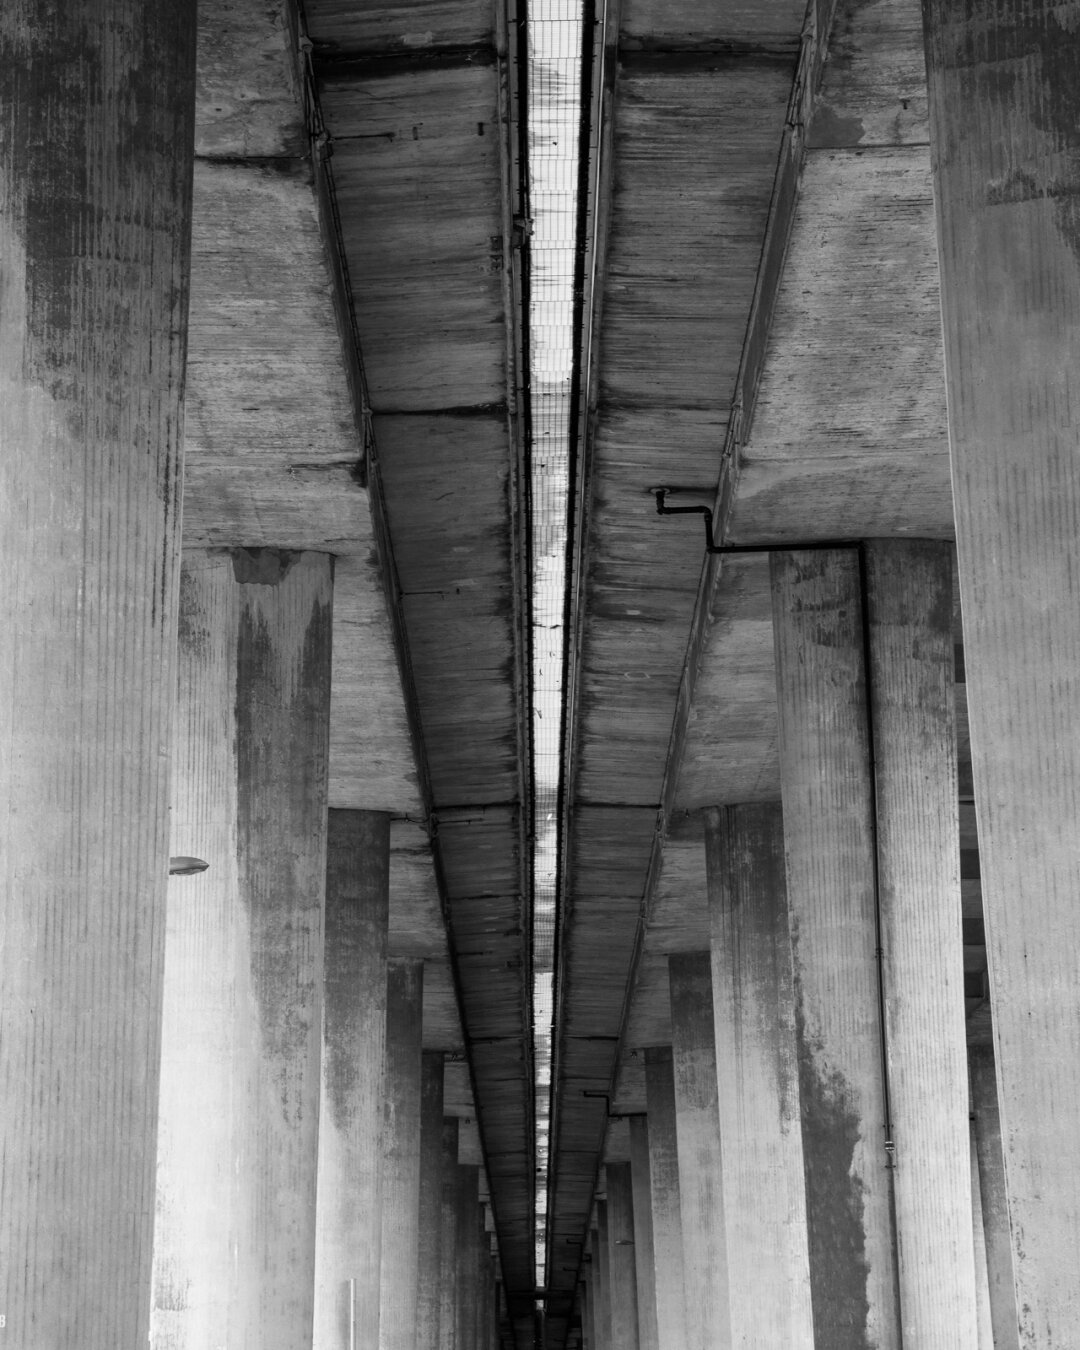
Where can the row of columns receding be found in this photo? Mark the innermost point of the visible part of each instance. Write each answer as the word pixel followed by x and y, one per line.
pixel 310 1189
pixel 818 1164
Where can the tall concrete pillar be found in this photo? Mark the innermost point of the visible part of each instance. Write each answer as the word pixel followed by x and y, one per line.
pixel 448 1240
pixel 95 220
pixel 621 1261
pixel 829 846
pixel 429 1295
pixel 666 1209
pixel 993 1198
pixel 234 1243
pixel 348 1234
pixel 468 1200
pixel 602 1267
pixel 644 1255
pixel 909 594
pixel 401 1155
pixel 757 1072
pixel 588 1330
pixel 982 1279
pixel 697 1126
pixel 1004 102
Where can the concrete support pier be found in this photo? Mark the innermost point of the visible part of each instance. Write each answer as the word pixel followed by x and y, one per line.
pixel 829 846
pixel 1004 104
pixel 348 1234
pixel 757 1073
pixel 234 1242
pixel 909 602
pixel 701 1166
pixel 666 1208
pixel 602 1267
pixel 644 1255
pixel 993 1199
pixel 467 1253
pixel 448 1238
pixel 621 1262
pixel 401 1155
pixel 95 220
pixel 429 1256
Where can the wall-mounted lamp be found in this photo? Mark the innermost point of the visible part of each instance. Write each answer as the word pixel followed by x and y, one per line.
pixel 186 867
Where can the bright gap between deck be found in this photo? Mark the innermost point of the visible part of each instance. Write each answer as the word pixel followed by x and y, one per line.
pixel 554 115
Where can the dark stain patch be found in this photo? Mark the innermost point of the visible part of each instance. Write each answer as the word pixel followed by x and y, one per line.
pixel 830 131
pixel 401 59
pixel 262 566
pixel 694 56
pixel 839 1270
pixel 1029 68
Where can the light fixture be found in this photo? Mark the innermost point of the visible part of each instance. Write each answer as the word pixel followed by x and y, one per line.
pixel 186 867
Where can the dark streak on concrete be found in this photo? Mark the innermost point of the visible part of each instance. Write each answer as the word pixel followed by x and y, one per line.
pixel 834 1203
pixel 693 55
pixel 280 807
pixel 395 61
pixel 193 634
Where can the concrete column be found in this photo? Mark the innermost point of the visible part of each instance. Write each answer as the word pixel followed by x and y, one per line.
pixel 348 1227
pixel 429 1295
pixel 829 846
pixel 666 1208
pixel 644 1256
pixel 240 1085
pixel 468 1199
pixel 602 1267
pixel 588 1331
pixel 982 1280
pixel 621 1261
pixel 95 219
pixel 486 1335
pixel 993 1199
pixel 448 1244
pixel 909 594
pixel 1004 105
pixel 757 1072
pixel 401 1155
pixel 697 1126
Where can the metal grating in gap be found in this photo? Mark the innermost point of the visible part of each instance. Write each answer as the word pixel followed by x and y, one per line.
pixel 554 114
